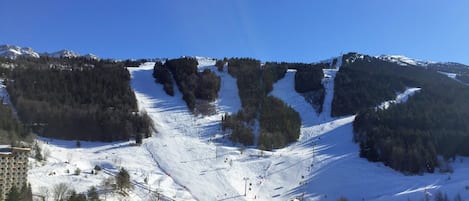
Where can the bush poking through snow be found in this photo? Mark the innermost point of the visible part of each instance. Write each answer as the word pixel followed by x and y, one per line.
pixel 77 171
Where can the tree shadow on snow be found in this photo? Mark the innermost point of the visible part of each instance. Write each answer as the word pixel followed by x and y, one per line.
pixel 72 144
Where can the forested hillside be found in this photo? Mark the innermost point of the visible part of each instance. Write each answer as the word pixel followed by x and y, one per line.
pixel 279 123
pixel 308 82
pixel 367 82
pixel 11 131
pixel 76 98
pixel 194 85
pixel 461 71
pixel 407 137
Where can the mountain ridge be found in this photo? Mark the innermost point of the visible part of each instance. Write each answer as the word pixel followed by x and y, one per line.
pixel 14 52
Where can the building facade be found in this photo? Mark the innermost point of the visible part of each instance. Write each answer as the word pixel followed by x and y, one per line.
pixel 13 168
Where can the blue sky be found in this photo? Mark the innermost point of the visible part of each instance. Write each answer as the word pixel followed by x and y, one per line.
pixel 305 31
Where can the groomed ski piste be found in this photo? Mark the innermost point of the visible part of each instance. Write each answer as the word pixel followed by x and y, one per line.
pixel 190 158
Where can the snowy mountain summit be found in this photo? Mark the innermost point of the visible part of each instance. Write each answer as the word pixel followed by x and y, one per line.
pixel 404 61
pixel 13 51
pixel 91 56
pixel 62 53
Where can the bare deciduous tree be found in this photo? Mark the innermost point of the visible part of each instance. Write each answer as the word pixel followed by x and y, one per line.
pixel 60 191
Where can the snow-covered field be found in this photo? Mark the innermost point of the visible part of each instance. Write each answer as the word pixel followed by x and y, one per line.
pixel 189 158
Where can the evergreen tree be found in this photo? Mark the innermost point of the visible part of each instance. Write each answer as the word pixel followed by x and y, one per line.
pixel 123 180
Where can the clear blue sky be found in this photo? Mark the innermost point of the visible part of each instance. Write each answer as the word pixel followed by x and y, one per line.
pixel 306 31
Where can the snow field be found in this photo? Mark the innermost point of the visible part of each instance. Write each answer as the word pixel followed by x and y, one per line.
pixel 189 158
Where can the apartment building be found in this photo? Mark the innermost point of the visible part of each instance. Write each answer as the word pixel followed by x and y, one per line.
pixel 13 168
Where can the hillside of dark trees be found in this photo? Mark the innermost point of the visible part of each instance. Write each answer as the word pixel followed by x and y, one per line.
pixel 407 137
pixel 76 99
pixel 272 72
pixel 279 123
pixel 163 76
pixel 192 83
pixel 461 70
pixel 308 82
pixel 11 130
pixel 368 82
pixel 248 78
pixel 463 78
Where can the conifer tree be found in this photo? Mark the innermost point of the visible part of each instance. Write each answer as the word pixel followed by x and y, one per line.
pixel 123 180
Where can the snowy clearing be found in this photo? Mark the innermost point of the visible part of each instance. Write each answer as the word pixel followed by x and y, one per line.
pixel 400 98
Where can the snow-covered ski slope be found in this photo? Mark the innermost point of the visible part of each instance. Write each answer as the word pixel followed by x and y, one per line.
pixel 189 158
